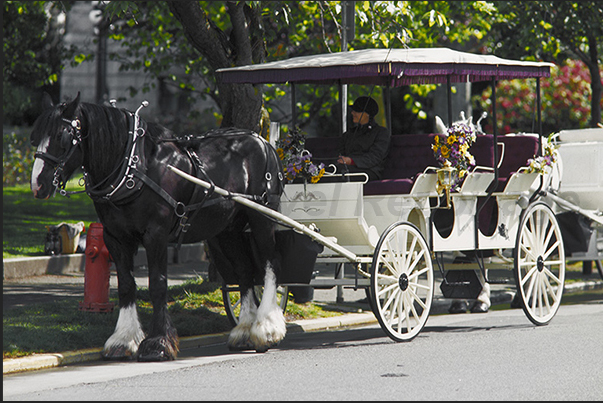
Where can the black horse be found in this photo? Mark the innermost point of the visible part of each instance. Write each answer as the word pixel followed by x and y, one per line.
pixel 140 201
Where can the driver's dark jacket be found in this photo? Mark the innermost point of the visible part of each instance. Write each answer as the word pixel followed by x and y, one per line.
pixel 368 146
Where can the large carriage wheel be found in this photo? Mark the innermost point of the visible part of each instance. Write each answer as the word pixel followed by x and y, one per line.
pixel 402 281
pixel 539 263
pixel 231 296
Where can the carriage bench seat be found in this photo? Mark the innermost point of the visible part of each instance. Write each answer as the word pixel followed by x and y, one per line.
pixel 411 154
pixel 518 149
pixel 408 156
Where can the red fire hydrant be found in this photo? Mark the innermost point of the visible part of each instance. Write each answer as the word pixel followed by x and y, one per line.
pixel 97 274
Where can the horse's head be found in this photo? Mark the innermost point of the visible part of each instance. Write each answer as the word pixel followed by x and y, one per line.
pixel 57 134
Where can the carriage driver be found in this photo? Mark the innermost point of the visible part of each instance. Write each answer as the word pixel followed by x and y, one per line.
pixel 365 145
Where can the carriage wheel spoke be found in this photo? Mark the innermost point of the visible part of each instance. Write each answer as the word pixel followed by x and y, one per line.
pixel 415 297
pixel 529 275
pixel 552 276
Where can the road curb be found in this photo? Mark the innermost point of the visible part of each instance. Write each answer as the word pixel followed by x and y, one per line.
pixel 20 267
pixel 43 361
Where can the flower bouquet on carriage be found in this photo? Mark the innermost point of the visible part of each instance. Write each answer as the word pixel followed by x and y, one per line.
pixel 297 161
pixel 544 163
pixel 453 151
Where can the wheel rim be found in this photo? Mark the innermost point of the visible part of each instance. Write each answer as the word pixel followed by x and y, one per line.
pixel 231 297
pixel 402 282
pixel 540 264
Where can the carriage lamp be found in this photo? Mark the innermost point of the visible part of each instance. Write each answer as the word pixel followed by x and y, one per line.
pixel 446 178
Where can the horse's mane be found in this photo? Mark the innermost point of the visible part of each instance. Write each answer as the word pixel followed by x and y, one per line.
pixel 49 122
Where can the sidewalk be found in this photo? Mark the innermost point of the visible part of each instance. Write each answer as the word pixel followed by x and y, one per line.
pixel 64 279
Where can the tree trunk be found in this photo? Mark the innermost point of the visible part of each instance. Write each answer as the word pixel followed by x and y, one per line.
pixel 596 85
pixel 240 103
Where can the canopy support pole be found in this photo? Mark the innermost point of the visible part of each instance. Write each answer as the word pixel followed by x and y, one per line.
pixel 388 108
pixel 539 106
pixel 495 150
pixel 449 93
pixel 343 103
pixel 293 108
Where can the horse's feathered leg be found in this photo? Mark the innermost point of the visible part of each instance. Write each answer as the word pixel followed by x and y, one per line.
pixel 123 343
pixel 161 343
pixel 239 336
pixel 269 327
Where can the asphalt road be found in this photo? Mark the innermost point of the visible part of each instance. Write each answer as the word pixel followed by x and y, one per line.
pixel 495 356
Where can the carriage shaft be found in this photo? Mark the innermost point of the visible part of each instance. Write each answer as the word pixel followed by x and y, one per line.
pixel 272 213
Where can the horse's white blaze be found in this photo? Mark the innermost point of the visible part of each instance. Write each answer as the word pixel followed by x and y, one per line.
pixel 269 327
pixel 128 332
pixel 39 165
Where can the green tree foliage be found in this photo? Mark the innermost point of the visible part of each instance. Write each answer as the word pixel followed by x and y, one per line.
pixel 555 31
pixel 281 29
pixel 33 56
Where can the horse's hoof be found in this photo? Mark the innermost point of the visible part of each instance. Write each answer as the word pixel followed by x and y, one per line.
pixel 266 347
pixel 156 349
pixel 117 353
pixel 241 347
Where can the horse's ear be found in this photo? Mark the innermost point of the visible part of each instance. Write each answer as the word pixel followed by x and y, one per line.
pixel 72 107
pixel 46 101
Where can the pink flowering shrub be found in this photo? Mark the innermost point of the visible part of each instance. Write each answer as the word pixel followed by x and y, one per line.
pixel 566 97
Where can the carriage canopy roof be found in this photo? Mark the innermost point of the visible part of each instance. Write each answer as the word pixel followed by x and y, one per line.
pixel 386 67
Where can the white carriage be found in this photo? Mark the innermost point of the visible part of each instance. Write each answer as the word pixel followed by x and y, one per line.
pixel 396 232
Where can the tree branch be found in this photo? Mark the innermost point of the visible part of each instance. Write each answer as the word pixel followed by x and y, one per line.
pixel 202 33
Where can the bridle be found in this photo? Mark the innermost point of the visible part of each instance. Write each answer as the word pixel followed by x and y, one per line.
pixel 71 138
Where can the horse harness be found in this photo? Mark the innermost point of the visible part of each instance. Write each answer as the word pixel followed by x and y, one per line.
pixel 133 172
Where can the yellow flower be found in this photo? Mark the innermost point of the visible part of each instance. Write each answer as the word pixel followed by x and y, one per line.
pixel 451 139
pixel 445 151
pixel 317 177
pixel 280 152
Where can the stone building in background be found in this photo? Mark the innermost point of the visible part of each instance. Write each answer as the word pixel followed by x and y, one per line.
pixel 100 81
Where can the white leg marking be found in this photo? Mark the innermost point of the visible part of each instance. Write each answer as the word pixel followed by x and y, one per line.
pixel 239 336
pixel 270 327
pixel 38 165
pixel 128 332
pixel 484 295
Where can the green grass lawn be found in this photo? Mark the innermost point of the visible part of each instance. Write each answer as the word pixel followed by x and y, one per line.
pixel 196 308
pixel 25 218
